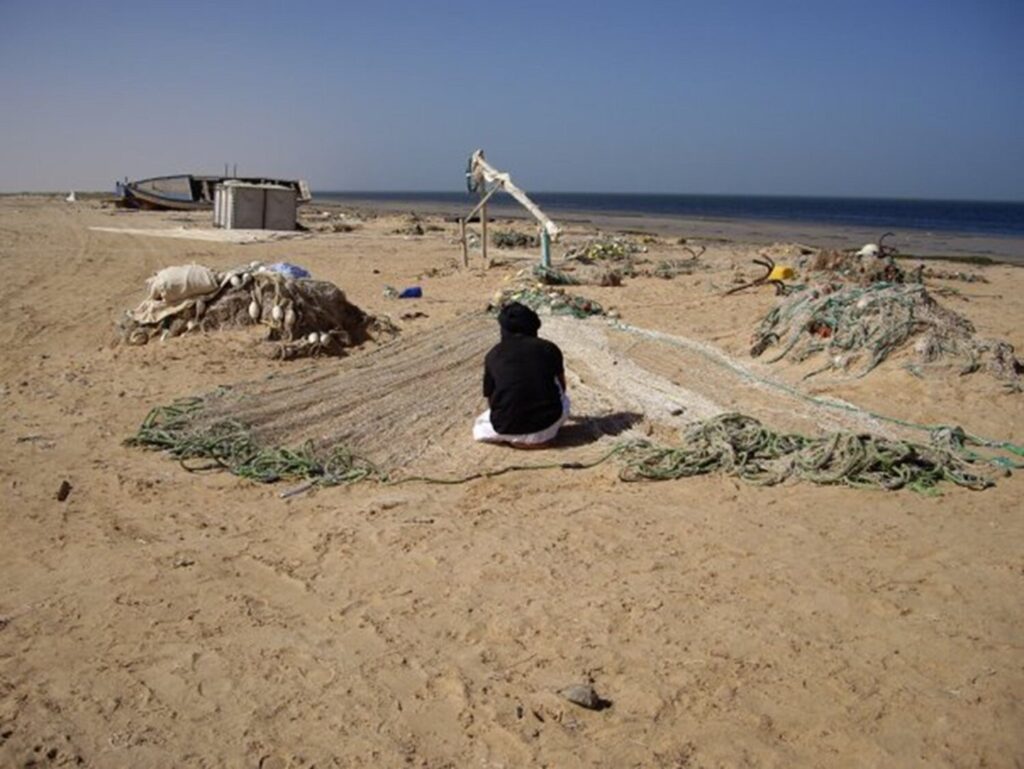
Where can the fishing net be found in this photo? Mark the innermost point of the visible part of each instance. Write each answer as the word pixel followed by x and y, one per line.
pixel 742 446
pixel 857 327
pixel 605 250
pixel 514 239
pixel 729 443
pixel 606 261
pixel 855 268
pixel 532 288
pixel 302 317
pixel 404 407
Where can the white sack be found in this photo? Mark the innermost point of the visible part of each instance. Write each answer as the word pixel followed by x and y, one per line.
pixel 173 284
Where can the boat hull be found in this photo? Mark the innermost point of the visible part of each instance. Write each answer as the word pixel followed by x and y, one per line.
pixel 187 192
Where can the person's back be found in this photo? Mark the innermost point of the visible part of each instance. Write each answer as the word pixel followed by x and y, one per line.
pixel 524 383
pixel 522 374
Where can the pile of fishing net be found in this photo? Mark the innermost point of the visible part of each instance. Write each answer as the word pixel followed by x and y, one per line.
pixel 606 261
pixel 855 328
pixel 605 250
pixel 741 446
pixel 301 316
pixel 855 267
pixel 514 239
pixel 540 290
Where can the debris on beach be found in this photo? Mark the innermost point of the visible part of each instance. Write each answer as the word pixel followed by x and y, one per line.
pixel 514 239
pixel 935 274
pixel 303 317
pixel 413 227
pixel 774 275
pixel 618 250
pixel 527 289
pixel 854 267
pixel 607 261
pixel 668 269
pixel 855 328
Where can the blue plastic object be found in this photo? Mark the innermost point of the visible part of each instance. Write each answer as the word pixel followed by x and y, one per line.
pixel 292 271
pixel 413 292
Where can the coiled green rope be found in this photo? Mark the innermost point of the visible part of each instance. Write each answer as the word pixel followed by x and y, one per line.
pixel 740 445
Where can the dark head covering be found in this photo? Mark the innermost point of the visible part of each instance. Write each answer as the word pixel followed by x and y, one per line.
pixel 516 318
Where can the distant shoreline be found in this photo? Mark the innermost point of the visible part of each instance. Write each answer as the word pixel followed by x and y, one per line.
pixel 971 246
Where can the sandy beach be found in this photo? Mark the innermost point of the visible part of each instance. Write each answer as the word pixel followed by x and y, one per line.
pixel 161 618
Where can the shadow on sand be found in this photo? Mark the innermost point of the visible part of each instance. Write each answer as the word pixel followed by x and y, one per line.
pixel 584 430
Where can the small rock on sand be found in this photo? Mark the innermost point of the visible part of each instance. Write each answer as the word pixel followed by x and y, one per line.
pixel 585 696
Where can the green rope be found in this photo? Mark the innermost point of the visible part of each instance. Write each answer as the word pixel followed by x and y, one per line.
pixel 740 445
pixel 229 445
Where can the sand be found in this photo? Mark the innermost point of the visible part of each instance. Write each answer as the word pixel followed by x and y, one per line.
pixel 157 618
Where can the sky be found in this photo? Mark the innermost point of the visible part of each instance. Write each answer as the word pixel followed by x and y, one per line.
pixel 872 98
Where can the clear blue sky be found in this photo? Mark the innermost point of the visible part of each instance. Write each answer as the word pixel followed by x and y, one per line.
pixel 867 98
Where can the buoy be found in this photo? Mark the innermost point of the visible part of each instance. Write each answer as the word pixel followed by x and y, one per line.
pixel 781 272
pixel 313 337
pixel 254 310
pixel 190 325
pixel 871 249
pixel 246 279
pixel 236 281
pixel 324 337
pixel 289 318
pixel 277 313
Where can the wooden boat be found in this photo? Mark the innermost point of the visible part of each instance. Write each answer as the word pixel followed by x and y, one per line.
pixel 189 192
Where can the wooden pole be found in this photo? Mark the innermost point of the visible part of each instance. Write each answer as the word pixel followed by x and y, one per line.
pixel 483 227
pixel 482 203
pixel 465 246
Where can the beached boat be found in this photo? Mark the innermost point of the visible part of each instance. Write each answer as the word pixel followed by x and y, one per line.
pixel 188 192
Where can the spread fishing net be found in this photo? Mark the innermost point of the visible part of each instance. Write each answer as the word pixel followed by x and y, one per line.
pixel 855 328
pixel 405 407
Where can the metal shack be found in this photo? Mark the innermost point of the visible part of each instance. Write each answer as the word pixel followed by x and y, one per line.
pixel 245 206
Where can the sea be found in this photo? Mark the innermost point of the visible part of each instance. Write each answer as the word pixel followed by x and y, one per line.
pixel 984 218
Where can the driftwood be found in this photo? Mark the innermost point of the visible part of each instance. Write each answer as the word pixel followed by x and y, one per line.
pixel 769 265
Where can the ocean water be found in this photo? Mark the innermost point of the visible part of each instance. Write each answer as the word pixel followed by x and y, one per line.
pixel 951 216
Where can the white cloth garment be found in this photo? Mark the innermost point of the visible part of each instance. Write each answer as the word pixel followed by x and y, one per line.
pixel 484 431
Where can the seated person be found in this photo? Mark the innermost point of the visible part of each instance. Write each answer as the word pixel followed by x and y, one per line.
pixel 524 383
